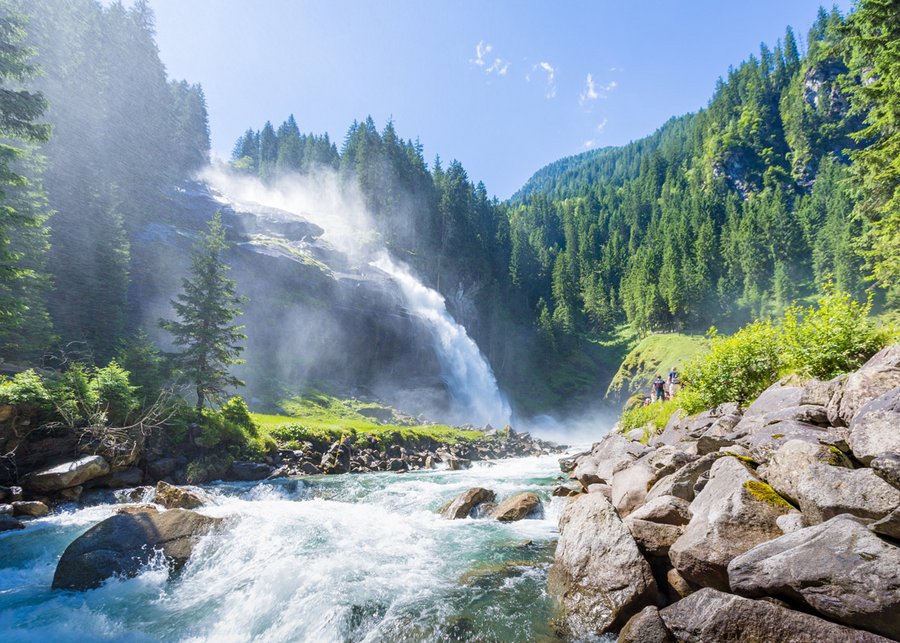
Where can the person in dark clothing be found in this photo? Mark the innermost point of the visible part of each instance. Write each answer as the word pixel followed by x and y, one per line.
pixel 659 389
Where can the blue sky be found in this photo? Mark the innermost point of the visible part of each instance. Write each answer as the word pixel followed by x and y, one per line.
pixel 505 87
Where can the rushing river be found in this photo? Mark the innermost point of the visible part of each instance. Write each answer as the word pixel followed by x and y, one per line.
pixel 346 558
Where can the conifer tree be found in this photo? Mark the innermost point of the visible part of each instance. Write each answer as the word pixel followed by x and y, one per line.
pixel 206 309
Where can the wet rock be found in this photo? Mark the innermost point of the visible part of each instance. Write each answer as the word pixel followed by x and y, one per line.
pixel 68 474
pixel 398 465
pixel 6 510
pixel 455 463
pixel 875 429
pixel 138 509
pixel 839 569
pixel 310 469
pixel 598 573
pixel 31 508
pixel 162 467
pixel 645 627
pixel 249 471
pixel 462 505
pixel 8 523
pixel 732 514
pixel 172 497
pixel 124 543
pixel 517 507
pixel 825 491
pixel 709 615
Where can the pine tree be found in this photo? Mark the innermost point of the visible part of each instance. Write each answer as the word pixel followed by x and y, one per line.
pixel 206 309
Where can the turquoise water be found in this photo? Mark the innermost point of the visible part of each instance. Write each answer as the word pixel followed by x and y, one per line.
pixel 344 558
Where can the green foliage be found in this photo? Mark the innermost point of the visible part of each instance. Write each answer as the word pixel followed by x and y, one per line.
pixel 835 337
pixel 656 415
pixel 206 309
pixel 142 359
pixel 112 390
pixel 654 354
pixel 27 391
pixel 208 467
pixel 736 368
pixel 235 410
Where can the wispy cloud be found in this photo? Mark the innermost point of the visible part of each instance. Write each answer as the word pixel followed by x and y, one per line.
pixel 590 91
pixel 592 142
pixel 483 60
pixel 601 126
pixel 551 77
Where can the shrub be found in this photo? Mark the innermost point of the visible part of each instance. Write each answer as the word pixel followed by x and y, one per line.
pixel 208 467
pixel 235 410
pixel 736 368
pixel 26 391
pixel 654 416
pixel 833 338
pixel 112 390
pixel 216 431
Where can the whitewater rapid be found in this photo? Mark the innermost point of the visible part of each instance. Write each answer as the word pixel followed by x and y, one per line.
pixel 361 557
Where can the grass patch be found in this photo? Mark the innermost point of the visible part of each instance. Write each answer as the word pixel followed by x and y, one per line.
pixel 320 418
pixel 655 354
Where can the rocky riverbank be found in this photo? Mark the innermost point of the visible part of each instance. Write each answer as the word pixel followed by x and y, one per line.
pixel 772 523
pixel 65 481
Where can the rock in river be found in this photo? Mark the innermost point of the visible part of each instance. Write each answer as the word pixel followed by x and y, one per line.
pixel 598 572
pixel 68 474
pixel 519 506
pixel 173 497
pixel 124 543
pixel 464 503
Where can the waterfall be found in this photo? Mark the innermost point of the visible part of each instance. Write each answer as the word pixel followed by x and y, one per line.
pixel 468 375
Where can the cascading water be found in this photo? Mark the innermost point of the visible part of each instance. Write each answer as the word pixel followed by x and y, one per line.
pixel 468 375
pixel 362 557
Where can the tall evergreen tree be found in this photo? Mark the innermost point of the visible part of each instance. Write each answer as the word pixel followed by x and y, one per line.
pixel 206 309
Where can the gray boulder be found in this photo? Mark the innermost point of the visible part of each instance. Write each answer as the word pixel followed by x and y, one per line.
pixel 789 464
pixel 645 627
pixel 875 429
pixel 629 487
pixel 464 503
pixel 839 569
pixel 765 440
pixel 517 507
pixel 732 514
pixel 249 471
pixel 876 377
pixel 337 459
pixel 825 491
pixel 709 615
pixel 598 573
pixel 68 474
pixel 681 483
pixel 773 400
pixel 173 497
pixel 889 525
pixel 653 539
pixel 608 455
pixel 666 510
pixel 887 467
pixel 124 543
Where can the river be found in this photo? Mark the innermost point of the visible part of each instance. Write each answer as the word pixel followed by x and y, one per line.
pixel 361 557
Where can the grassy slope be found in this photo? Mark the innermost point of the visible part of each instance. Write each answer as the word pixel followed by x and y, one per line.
pixel 655 354
pixel 317 416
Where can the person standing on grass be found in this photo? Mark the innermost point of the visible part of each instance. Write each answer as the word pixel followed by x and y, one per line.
pixel 673 382
pixel 659 389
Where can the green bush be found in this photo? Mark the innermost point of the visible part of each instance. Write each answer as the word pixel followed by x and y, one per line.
pixel 207 468
pixel 112 390
pixel 216 431
pixel 736 368
pixel 833 338
pixel 235 410
pixel 654 416
pixel 26 391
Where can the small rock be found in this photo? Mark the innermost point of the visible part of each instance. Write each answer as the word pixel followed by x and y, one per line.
pixel 138 509
pixel 654 539
pixel 6 510
pixel 519 506
pixel 172 497
pixel 601 487
pixel 31 508
pixel 645 627
pixel 889 525
pixel 310 469
pixel 680 586
pixel 669 510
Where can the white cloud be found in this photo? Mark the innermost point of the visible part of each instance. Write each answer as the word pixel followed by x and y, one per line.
pixel 481 59
pixel 589 144
pixel 601 125
pixel 590 91
pixel 551 77
pixel 616 69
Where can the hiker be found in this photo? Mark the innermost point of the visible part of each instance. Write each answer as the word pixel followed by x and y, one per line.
pixel 673 382
pixel 659 389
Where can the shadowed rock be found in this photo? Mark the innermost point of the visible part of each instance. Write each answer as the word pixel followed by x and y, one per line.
pixel 464 503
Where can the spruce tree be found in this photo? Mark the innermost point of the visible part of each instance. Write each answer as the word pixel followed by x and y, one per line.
pixel 206 309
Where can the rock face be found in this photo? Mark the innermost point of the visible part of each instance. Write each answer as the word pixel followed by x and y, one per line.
pixel 839 569
pixel 519 506
pixel 710 615
pixel 887 467
pixel 464 503
pixel 69 474
pixel 124 543
pixel 173 497
pixel 598 572
pixel 731 515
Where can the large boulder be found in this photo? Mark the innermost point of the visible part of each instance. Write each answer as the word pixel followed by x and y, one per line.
pixel 518 507
pixel 124 543
pixel 629 487
pixel 764 441
pixel 658 524
pixel 875 429
pixel 839 569
pixel 790 462
pixel 598 573
pixel 31 508
pixel 710 615
pixel 773 400
pixel 889 525
pixel 173 497
pixel 876 377
pixel 887 467
pixel 68 474
pixel 249 471
pixel 825 491
pixel 608 455
pixel 464 503
pixel 681 483
pixel 732 514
